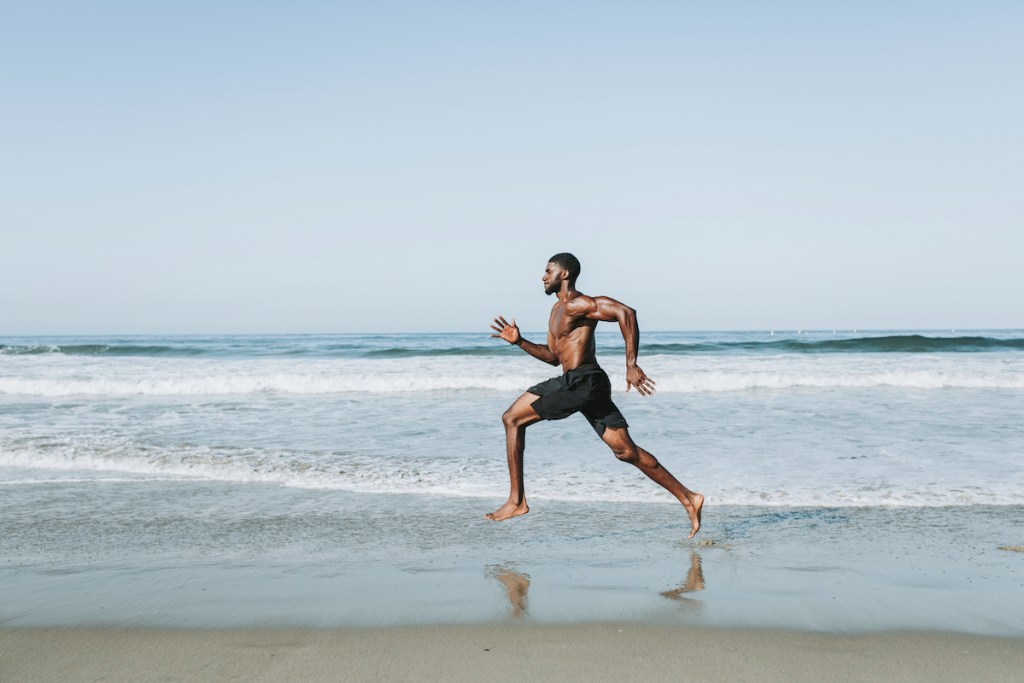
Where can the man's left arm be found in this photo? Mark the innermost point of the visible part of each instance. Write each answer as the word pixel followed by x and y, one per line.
pixel 607 309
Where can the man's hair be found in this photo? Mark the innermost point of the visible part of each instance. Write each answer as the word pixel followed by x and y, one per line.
pixel 569 262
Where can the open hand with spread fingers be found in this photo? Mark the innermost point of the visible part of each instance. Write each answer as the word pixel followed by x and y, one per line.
pixel 635 377
pixel 506 330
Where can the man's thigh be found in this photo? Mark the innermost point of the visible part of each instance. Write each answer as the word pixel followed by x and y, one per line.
pixel 521 412
pixel 618 439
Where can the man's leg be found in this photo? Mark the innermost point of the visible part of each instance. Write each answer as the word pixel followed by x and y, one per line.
pixel 516 419
pixel 625 450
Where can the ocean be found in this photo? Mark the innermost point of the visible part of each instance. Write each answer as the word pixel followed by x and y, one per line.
pixel 123 457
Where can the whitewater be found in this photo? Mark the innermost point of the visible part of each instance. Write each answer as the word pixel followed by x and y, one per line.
pixel 888 418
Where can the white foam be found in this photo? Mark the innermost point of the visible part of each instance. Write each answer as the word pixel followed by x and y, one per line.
pixel 231 384
pixel 116 431
pixel 471 479
pixel 721 381
pixel 63 377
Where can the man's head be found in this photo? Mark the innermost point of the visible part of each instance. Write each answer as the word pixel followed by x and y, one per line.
pixel 561 267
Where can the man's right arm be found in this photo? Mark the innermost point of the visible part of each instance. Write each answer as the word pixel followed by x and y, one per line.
pixel 510 333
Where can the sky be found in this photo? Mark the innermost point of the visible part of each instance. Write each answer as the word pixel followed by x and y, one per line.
pixel 217 167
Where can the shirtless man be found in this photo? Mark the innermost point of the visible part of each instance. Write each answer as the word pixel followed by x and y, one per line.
pixel 583 388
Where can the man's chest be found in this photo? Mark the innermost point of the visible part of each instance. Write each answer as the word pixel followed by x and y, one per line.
pixel 562 325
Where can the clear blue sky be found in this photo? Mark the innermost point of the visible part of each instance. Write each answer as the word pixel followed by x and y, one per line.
pixel 402 166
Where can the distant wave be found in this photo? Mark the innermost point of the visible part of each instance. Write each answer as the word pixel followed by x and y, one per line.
pixel 102 350
pixel 911 343
pixel 250 350
pixel 399 352
pixel 417 346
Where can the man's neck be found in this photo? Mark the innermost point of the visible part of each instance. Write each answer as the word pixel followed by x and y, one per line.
pixel 567 292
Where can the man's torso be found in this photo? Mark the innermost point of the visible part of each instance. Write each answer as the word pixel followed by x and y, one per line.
pixel 571 337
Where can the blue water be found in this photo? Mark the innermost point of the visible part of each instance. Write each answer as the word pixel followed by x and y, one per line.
pixel 470 344
pixel 801 418
pixel 131 461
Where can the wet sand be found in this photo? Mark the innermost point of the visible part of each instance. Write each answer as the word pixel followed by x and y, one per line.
pixel 503 652
pixel 337 560
pixel 347 587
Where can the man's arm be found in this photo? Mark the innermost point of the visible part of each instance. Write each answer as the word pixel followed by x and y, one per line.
pixel 607 309
pixel 510 333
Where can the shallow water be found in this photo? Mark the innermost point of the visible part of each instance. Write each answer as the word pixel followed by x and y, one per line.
pixel 855 483
pixel 211 554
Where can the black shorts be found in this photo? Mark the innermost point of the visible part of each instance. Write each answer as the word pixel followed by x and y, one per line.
pixel 585 389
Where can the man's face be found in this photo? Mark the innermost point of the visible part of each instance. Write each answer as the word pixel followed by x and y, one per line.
pixel 552 278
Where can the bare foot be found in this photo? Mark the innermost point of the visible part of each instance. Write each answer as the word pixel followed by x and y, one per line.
pixel 694 510
pixel 509 510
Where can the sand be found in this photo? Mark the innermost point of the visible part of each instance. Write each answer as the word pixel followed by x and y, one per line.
pixel 503 652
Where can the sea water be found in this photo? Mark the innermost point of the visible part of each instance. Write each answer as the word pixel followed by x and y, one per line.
pixel 130 456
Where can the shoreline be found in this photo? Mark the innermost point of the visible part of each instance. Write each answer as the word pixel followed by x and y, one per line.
pixel 504 651
pixel 335 560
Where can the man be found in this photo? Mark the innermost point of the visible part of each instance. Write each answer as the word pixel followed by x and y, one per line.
pixel 584 387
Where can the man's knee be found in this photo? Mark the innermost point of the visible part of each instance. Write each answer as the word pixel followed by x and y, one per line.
pixel 624 450
pixel 627 451
pixel 515 417
pixel 521 413
pixel 628 454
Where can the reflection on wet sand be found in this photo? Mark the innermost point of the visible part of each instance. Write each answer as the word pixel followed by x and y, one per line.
pixel 694 582
pixel 516 584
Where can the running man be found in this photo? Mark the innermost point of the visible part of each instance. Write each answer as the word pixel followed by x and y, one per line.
pixel 584 387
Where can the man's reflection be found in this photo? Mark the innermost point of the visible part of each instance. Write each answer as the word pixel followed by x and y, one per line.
pixel 516 586
pixel 694 582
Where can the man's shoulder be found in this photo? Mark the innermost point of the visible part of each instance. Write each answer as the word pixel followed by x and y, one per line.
pixel 580 304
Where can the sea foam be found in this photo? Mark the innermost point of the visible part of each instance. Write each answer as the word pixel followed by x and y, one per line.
pixel 63 376
pixel 100 461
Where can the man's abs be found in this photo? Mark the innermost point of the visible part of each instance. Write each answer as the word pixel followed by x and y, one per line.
pixel 576 349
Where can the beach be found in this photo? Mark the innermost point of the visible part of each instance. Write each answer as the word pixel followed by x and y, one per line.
pixel 590 652
pixel 312 507
pixel 277 280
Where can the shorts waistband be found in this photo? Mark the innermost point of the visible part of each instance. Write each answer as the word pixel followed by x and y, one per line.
pixel 589 367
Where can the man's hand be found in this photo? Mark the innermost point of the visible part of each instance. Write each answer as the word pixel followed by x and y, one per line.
pixel 506 330
pixel 635 377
